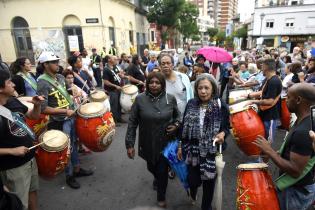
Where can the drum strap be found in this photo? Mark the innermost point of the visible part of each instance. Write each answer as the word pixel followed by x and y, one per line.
pixel 264 107
pixel 285 180
pixel 29 80
pixel 58 86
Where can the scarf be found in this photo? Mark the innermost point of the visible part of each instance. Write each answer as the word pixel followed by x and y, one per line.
pixel 198 142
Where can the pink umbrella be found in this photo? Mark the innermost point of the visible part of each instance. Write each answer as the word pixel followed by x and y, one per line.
pixel 215 54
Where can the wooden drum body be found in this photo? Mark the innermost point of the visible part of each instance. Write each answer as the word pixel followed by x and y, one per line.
pixel 246 125
pixel 285 115
pixel 100 96
pixel 38 126
pixel 128 96
pixel 52 156
pixel 95 127
pixel 255 189
pixel 238 95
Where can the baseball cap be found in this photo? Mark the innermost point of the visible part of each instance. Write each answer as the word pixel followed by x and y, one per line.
pixel 47 56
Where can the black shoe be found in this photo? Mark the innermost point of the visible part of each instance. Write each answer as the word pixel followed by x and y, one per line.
pixel 83 172
pixel 70 180
pixel 154 185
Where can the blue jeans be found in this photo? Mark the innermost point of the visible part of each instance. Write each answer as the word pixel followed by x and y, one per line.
pixel 293 198
pixel 270 129
pixel 69 129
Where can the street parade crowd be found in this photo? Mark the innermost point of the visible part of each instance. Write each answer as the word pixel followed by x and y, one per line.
pixel 194 103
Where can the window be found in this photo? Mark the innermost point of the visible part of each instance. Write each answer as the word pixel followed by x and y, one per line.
pixel 294 2
pixel 269 23
pixel 289 22
pixel 311 21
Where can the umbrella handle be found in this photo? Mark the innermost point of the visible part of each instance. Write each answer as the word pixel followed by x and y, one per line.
pixel 220 148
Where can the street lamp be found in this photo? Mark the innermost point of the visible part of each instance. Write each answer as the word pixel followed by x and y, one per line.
pixel 262 16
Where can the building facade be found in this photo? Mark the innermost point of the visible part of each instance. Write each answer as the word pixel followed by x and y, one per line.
pixel 222 11
pixel 284 25
pixel 27 28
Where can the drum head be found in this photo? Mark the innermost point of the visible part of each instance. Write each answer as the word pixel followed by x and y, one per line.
pixel 252 166
pixel 98 96
pixel 54 140
pixel 24 100
pixel 239 107
pixel 90 110
pixel 129 89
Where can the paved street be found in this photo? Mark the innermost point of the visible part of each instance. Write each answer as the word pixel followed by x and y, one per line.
pixel 120 183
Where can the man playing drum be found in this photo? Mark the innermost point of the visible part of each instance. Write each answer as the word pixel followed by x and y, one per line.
pixel 268 98
pixel 17 163
pixel 112 85
pixel 59 105
pixel 296 158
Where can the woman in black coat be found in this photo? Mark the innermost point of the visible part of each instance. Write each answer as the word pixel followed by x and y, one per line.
pixel 157 115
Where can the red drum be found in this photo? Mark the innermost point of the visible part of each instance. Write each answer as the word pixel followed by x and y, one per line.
pixel 246 125
pixel 53 155
pixel 285 115
pixel 238 95
pixel 38 126
pixel 255 189
pixel 95 127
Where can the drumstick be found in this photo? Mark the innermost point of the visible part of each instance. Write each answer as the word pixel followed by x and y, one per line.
pixel 36 145
pixel 76 109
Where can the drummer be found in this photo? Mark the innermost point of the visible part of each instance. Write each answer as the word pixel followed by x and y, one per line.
pixel 135 75
pixel 112 84
pixel 296 185
pixel 17 163
pixel 59 105
pixel 268 98
pixel 23 78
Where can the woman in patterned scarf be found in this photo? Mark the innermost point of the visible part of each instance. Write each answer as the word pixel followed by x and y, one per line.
pixel 206 119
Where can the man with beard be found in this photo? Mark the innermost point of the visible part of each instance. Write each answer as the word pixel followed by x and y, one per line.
pixel 296 158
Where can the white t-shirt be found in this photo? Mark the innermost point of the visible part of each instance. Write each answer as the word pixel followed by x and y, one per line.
pixel 285 84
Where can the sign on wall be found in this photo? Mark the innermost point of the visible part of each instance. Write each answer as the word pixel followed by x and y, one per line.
pixel 73 43
pixel 91 20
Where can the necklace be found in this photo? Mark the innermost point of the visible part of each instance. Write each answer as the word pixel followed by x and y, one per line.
pixel 204 106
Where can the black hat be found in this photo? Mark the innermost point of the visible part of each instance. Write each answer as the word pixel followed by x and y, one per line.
pixel 200 56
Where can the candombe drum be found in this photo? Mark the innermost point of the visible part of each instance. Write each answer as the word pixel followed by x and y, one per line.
pixel 255 189
pixel 95 126
pixel 285 115
pixel 53 155
pixel 100 96
pixel 38 126
pixel 128 96
pixel 238 95
pixel 246 125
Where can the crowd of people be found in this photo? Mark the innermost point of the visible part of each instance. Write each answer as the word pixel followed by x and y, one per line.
pixel 186 99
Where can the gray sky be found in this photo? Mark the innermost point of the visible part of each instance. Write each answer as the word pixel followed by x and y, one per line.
pixel 245 8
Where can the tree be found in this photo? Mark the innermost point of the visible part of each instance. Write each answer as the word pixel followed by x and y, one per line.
pixel 164 13
pixel 212 31
pixel 187 20
pixel 241 32
pixel 195 37
pixel 220 37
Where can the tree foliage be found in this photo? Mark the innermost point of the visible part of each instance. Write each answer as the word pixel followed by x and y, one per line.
pixel 220 36
pixel 241 32
pixel 173 14
pixel 212 31
pixel 187 20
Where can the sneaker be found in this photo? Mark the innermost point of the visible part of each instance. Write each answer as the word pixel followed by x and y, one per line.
pixel 171 174
pixel 70 180
pixel 83 172
pixel 193 200
pixel 154 185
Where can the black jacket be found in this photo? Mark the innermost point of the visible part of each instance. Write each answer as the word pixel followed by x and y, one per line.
pixel 152 115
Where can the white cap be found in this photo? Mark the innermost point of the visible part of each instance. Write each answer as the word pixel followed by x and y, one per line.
pixel 47 56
